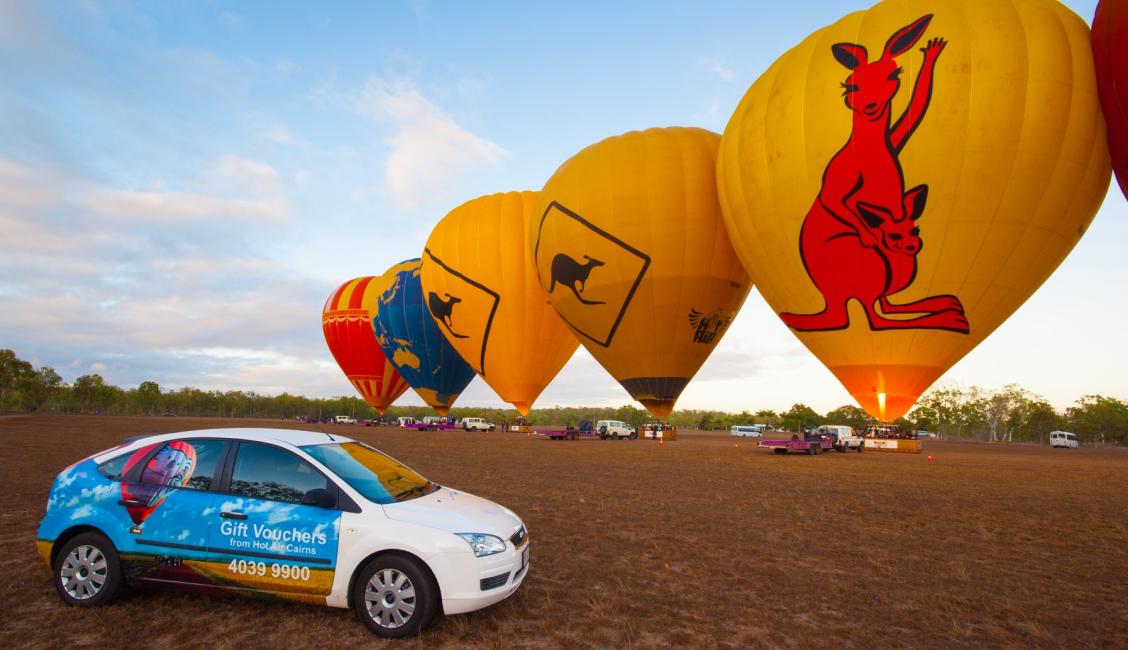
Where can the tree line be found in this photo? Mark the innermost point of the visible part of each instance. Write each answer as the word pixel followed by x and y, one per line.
pixel 1009 414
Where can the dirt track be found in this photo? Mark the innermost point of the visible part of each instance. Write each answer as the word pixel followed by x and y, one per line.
pixel 697 544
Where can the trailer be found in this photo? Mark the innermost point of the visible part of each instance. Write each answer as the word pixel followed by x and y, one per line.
pixel 432 424
pixel 568 433
pixel 812 445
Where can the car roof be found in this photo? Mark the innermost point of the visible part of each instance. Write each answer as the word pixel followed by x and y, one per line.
pixel 295 437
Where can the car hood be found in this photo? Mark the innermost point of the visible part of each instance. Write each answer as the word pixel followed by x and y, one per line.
pixel 455 512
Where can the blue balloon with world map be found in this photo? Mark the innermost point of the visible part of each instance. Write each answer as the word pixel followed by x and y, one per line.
pixel 411 339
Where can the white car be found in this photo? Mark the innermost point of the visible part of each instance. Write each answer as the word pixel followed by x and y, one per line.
pixel 476 424
pixel 344 419
pixel 299 515
pixel 615 429
pixel 1064 439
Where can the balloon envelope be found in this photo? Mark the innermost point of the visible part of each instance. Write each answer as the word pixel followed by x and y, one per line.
pixel 411 339
pixel 1110 56
pixel 628 241
pixel 899 182
pixel 347 323
pixel 169 468
pixel 482 291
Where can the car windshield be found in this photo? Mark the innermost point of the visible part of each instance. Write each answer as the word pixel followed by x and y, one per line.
pixel 379 478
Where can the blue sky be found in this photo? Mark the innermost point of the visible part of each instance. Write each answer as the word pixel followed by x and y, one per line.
pixel 183 184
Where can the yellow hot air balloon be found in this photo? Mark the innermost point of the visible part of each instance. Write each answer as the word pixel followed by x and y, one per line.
pixel 628 241
pixel 482 290
pixel 900 182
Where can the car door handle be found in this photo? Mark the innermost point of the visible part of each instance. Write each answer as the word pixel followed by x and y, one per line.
pixel 233 515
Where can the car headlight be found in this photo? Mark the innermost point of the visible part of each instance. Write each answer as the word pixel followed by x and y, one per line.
pixel 483 544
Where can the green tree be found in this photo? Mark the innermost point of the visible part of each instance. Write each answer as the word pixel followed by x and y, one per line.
pixel 43 386
pixel 850 415
pixel 1099 419
pixel 799 417
pixel 87 390
pixel 149 396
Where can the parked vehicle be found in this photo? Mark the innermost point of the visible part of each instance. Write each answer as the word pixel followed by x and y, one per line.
pixel 567 433
pixel 476 424
pixel 280 513
pixel 811 443
pixel 344 419
pixel 432 423
pixel 1064 439
pixel 746 431
pixel 405 421
pixel 615 429
pixel 844 437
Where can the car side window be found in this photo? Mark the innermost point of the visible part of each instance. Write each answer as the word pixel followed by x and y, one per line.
pixel 268 472
pixel 184 463
pixel 113 468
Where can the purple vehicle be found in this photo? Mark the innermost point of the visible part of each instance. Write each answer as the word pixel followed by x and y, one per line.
pixel 811 443
pixel 432 424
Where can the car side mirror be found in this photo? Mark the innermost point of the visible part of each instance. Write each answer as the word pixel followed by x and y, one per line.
pixel 319 498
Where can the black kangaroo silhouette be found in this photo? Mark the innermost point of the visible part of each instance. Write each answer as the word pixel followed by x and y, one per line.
pixel 441 309
pixel 568 272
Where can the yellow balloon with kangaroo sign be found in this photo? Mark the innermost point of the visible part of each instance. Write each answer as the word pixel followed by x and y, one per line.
pixel 483 293
pixel 628 241
pixel 900 182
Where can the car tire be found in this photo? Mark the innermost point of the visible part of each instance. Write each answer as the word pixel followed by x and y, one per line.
pixel 88 571
pixel 390 587
pixel 861 447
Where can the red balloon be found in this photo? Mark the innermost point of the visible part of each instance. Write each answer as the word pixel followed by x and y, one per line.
pixel 1110 56
pixel 347 323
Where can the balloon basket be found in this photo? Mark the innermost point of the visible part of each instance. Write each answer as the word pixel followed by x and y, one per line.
pixel 895 445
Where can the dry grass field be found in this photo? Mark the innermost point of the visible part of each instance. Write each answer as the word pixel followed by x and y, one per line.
pixel 697 544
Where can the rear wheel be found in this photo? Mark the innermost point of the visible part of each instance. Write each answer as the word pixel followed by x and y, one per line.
pixel 395 597
pixel 88 571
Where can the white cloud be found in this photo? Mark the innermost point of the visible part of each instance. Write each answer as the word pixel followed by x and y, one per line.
pixel 286 66
pixel 722 70
pixel 429 149
pixel 171 207
pixel 258 177
pixel 278 134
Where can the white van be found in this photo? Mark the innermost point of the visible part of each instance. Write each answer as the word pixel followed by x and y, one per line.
pixel 746 431
pixel 406 421
pixel 1064 439
pixel 845 437
pixel 344 419
pixel 615 429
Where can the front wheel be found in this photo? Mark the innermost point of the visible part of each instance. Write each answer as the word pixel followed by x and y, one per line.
pixel 88 571
pixel 634 436
pixel 395 597
pixel 861 447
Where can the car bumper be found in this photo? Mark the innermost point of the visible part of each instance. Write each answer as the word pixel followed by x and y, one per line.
pixel 486 581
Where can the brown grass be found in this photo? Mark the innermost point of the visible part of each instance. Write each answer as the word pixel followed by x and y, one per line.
pixel 697 544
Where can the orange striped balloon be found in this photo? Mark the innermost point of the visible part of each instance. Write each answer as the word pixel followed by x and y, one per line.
pixel 347 323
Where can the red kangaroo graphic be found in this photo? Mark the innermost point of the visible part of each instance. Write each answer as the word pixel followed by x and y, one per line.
pixel 860 239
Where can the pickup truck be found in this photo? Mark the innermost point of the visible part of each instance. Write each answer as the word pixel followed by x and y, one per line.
pixel 811 444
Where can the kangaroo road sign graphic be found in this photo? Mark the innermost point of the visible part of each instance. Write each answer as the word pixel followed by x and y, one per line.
pixel 590 275
pixel 466 311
